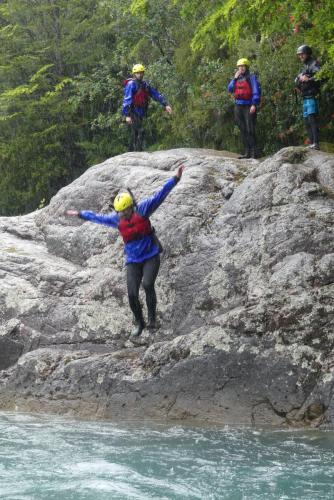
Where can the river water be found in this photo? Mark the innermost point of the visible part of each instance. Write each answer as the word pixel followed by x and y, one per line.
pixel 45 457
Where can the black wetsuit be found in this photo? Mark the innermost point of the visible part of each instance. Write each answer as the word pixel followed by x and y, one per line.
pixel 137 133
pixel 145 272
pixel 309 91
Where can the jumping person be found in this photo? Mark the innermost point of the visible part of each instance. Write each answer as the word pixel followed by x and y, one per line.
pixel 309 88
pixel 141 248
pixel 137 94
pixel 247 94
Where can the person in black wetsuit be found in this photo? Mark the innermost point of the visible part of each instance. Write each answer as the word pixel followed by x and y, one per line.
pixel 309 87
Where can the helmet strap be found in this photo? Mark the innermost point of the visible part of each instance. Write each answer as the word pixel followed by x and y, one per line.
pixel 132 196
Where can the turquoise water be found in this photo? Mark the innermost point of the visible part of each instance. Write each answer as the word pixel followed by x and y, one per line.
pixel 43 457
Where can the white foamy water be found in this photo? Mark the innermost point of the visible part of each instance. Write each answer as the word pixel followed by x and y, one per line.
pixel 44 457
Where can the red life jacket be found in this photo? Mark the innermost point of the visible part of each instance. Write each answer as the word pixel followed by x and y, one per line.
pixel 134 228
pixel 243 90
pixel 141 96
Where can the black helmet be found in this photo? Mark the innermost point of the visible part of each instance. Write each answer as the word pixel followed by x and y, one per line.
pixel 304 49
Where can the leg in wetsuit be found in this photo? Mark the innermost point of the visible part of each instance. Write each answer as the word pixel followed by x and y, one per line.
pixel 246 122
pixel 145 272
pixel 312 128
pixel 137 131
pixel 310 113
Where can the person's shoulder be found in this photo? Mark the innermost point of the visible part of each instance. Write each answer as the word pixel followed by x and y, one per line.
pixel 256 77
pixel 314 64
pixel 147 83
pixel 130 82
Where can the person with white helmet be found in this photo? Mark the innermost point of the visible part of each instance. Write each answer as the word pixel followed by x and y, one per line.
pixel 137 94
pixel 309 88
pixel 247 94
pixel 141 247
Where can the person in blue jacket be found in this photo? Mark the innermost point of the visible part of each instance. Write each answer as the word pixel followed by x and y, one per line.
pixel 247 94
pixel 137 94
pixel 142 248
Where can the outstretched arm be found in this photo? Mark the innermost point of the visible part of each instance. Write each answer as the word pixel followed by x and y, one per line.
pixel 111 220
pixel 148 206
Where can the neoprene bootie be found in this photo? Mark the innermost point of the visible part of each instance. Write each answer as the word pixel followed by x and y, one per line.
pixel 139 327
pixel 152 322
pixel 253 153
pixel 244 156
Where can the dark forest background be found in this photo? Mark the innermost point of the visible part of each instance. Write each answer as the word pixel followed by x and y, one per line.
pixel 63 63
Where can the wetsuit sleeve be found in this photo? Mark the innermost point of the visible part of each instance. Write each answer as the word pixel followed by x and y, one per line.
pixel 111 220
pixel 231 85
pixel 148 206
pixel 156 96
pixel 256 89
pixel 314 68
pixel 128 95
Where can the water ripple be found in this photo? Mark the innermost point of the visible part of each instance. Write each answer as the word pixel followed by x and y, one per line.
pixel 43 457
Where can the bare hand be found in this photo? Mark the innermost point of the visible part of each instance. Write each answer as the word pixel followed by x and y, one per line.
pixel 128 120
pixel 168 109
pixel 252 109
pixel 237 74
pixel 304 78
pixel 72 213
pixel 179 171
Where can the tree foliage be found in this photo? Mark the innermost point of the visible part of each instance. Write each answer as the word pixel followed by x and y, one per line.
pixel 63 63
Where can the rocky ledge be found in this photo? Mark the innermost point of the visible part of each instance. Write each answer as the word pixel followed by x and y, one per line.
pixel 246 295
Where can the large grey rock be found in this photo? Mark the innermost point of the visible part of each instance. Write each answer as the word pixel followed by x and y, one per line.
pixel 246 295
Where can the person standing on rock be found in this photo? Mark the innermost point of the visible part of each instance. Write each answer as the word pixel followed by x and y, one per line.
pixel 247 94
pixel 309 88
pixel 141 248
pixel 137 94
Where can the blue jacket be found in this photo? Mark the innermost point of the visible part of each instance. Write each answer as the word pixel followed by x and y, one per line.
pixel 256 89
pixel 130 89
pixel 144 248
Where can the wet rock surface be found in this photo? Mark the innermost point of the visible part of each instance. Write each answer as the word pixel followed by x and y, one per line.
pixel 245 295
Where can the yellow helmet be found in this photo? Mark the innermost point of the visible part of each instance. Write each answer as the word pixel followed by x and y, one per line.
pixel 243 62
pixel 122 202
pixel 138 68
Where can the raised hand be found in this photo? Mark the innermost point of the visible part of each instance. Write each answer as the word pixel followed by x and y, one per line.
pixel 179 171
pixel 72 213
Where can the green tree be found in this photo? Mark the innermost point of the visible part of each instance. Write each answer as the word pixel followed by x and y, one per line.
pixel 45 44
pixel 63 63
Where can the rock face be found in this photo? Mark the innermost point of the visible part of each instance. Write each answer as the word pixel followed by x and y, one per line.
pixel 245 291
